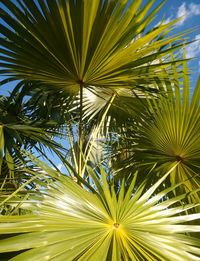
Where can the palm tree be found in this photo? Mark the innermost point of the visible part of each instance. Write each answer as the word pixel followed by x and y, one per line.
pixel 90 56
pixel 74 45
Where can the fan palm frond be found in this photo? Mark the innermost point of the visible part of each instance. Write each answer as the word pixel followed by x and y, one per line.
pixel 72 223
pixel 89 43
pixel 170 133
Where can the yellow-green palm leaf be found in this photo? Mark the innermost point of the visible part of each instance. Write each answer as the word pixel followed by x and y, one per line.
pixel 74 224
pixel 171 133
pixel 176 132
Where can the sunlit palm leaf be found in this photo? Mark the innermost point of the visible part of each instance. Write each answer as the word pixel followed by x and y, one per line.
pixel 102 117
pixel 72 223
pixel 125 104
pixel 91 43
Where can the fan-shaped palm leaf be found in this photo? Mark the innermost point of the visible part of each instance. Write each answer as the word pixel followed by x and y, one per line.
pixel 171 133
pixel 91 43
pixel 74 224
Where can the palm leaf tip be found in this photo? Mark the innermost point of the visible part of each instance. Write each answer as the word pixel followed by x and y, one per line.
pixel 77 224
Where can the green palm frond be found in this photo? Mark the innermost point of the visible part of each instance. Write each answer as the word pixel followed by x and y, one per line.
pixel 89 43
pixel 174 134
pixel 75 224
pixel 18 131
pixel 18 125
pixel 170 133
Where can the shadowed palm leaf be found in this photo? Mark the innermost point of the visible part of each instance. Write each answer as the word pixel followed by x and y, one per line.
pixel 17 127
pixel 170 133
pixel 88 43
pixel 17 131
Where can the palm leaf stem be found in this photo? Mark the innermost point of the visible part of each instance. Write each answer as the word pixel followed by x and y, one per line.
pixel 80 132
pixel 71 143
pixel 95 132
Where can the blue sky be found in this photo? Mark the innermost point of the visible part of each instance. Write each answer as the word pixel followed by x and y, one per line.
pixel 190 11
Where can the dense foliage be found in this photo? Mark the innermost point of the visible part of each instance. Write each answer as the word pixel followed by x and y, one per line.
pixel 100 89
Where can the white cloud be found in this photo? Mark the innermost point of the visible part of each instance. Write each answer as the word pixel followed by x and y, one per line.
pixel 194 9
pixel 182 12
pixel 193 49
pixel 186 12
